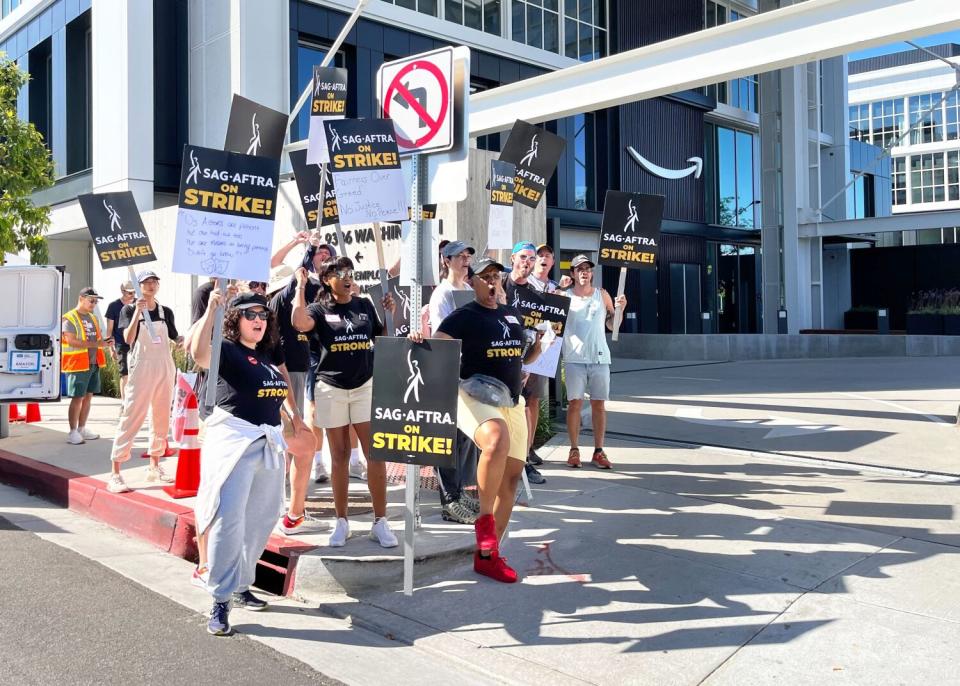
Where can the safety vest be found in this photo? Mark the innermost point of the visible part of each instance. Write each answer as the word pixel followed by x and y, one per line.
pixel 78 359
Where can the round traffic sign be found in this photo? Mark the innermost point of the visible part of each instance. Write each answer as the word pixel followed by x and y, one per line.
pixel 433 123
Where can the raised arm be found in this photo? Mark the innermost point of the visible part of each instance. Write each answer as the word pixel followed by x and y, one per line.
pixel 200 342
pixel 281 254
pixel 299 317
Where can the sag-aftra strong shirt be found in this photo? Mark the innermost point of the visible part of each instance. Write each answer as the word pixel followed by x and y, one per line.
pixel 250 385
pixel 491 342
pixel 345 335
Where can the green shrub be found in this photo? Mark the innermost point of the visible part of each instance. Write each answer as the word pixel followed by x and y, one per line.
pixel 110 379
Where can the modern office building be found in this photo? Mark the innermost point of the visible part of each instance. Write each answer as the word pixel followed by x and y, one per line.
pixel 118 87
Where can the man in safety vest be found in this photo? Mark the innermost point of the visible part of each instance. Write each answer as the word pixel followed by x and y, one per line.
pixel 80 360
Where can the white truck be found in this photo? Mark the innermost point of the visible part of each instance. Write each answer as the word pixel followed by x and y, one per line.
pixel 30 307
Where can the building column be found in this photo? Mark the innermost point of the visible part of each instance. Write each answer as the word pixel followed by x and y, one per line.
pixel 58 86
pixel 122 34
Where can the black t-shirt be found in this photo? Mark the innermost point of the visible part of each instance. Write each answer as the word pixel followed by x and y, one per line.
pixel 296 345
pixel 113 314
pixel 250 386
pixel 127 313
pixel 201 297
pixel 344 334
pixel 491 342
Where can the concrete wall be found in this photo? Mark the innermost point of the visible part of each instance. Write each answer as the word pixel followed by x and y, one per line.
pixel 729 347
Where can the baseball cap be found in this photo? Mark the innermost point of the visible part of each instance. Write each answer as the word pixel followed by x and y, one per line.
pixel 454 248
pixel 329 248
pixel 279 277
pixel 545 246
pixel 580 259
pixel 127 287
pixel 524 245
pixel 89 292
pixel 247 300
pixel 483 264
pixel 146 274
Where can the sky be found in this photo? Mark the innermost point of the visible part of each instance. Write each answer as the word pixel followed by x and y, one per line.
pixel 936 39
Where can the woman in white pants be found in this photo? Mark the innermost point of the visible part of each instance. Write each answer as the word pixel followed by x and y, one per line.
pixel 242 471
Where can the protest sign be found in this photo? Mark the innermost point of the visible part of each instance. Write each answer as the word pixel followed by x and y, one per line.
pixel 401 296
pixel 117 229
pixel 225 221
pixel 360 246
pixel 329 101
pixel 536 308
pixel 308 178
pixel 536 153
pixel 255 129
pixel 429 264
pixel 630 232
pixel 461 298
pixel 414 409
pixel 500 222
pixel 366 170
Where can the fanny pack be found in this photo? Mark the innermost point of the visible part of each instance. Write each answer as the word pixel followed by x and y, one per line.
pixel 488 390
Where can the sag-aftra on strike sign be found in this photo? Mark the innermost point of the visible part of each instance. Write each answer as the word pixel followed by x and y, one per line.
pixel 630 232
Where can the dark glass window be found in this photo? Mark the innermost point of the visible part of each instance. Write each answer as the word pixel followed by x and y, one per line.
pixel 308 55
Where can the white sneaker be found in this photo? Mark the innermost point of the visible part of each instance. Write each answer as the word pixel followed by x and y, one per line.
pixel 381 534
pixel 88 435
pixel 157 474
pixel 75 438
pixel 200 578
pixel 358 470
pixel 117 485
pixel 340 534
pixel 305 524
pixel 320 475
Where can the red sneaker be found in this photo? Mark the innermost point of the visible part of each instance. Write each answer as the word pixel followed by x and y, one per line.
pixel 600 460
pixel 486 529
pixel 495 567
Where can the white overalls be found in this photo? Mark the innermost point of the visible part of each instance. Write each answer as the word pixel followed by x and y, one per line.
pixel 149 387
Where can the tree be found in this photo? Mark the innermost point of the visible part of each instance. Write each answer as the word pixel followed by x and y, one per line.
pixel 25 167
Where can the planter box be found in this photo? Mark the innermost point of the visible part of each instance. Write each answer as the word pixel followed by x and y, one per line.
pixel 951 324
pixel 853 319
pixel 924 324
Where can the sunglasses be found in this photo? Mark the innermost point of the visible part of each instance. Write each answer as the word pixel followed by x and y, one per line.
pixel 254 285
pixel 343 274
pixel 526 258
pixel 250 315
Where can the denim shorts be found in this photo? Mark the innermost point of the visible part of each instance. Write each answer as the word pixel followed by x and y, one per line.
pixel 587 379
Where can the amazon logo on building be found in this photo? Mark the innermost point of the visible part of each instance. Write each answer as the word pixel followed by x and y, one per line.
pixel 695 168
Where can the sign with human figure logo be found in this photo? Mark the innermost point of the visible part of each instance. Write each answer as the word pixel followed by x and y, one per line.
pixel 546 312
pixel 535 152
pixel 630 232
pixel 116 227
pixel 401 296
pixel 255 129
pixel 414 409
pixel 329 101
pixel 226 213
pixel 308 178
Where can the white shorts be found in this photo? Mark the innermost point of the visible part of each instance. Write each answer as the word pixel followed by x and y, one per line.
pixel 336 407
pixel 587 379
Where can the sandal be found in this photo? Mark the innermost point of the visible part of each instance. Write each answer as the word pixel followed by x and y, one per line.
pixel 573 459
pixel 600 460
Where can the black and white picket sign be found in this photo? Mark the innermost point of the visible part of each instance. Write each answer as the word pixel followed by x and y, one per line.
pixel 255 129
pixel 535 308
pixel 535 152
pixel 401 296
pixel 500 217
pixel 329 101
pixel 308 177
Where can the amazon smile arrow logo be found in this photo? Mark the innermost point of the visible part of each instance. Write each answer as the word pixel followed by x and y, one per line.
pixel 695 168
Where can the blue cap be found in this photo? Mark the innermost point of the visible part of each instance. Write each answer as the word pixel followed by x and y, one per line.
pixel 524 245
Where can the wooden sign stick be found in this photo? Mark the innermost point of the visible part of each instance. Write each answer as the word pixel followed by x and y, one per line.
pixel 618 311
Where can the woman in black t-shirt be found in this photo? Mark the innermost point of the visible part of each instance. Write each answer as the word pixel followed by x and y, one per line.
pixel 242 471
pixel 343 328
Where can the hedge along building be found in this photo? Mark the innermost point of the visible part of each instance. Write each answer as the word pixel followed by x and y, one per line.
pixel 120 87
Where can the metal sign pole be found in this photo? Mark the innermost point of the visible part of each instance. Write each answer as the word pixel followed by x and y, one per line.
pixel 136 287
pixel 213 373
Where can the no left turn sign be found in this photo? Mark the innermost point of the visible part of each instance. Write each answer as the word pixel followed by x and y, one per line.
pixel 416 93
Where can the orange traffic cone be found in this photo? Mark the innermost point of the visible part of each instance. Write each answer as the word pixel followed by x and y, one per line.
pixel 188 466
pixel 15 413
pixel 33 413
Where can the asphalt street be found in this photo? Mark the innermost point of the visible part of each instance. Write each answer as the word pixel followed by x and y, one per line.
pixel 66 619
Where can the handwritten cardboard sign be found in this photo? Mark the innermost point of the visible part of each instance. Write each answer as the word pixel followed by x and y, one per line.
pixel 366 170
pixel 227 208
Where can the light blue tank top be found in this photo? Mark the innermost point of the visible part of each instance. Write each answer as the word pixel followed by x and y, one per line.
pixel 584 339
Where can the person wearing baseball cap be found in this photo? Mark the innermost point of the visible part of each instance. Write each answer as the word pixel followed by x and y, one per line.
pixel 490 407
pixel 127 293
pixel 81 358
pixel 150 380
pixel 586 357
pixel 242 471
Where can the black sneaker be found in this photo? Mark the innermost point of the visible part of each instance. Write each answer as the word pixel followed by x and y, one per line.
pixel 248 601
pixel 533 458
pixel 219 624
pixel 533 476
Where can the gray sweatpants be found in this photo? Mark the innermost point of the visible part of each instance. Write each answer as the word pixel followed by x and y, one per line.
pixel 250 499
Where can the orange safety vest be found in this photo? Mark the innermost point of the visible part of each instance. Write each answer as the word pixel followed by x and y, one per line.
pixel 78 359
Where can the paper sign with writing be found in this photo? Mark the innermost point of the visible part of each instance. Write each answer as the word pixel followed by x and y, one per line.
pixel 255 129
pixel 329 101
pixel 536 153
pixel 307 177
pixel 227 209
pixel 361 247
pixel 500 221
pixel 630 231
pixel 117 229
pixel 538 308
pixel 366 170
pixel 414 409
